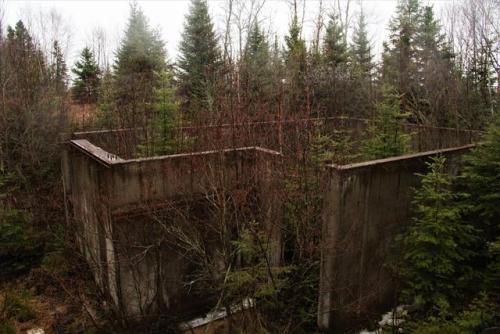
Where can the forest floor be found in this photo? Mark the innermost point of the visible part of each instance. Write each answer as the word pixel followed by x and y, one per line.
pixel 52 302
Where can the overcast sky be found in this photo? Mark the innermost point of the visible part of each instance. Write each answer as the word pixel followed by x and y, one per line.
pixel 82 17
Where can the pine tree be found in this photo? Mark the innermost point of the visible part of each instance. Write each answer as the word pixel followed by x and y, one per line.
pixel 295 55
pixel 361 49
pixel 106 117
pixel 199 63
pixel 334 45
pixel 385 135
pixel 59 70
pixel 86 83
pixel 256 73
pixel 29 64
pixel 434 65
pixel 362 70
pixel 399 58
pixel 437 247
pixel 141 54
pixel 167 116
pixel 481 183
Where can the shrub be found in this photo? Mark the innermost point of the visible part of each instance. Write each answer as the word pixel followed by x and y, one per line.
pixel 437 245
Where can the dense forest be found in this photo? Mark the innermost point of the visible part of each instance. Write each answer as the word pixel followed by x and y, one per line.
pixel 430 72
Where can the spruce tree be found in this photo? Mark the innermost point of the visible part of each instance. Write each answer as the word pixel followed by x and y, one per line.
pixel 399 57
pixel 167 116
pixel 434 65
pixel 334 45
pixel 59 70
pixel 385 135
pixel 437 247
pixel 362 70
pixel 256 70
pixel 86 83
pixel 480 182
pixel 333 85
pixel 361 49
pixel 199 63
pixel 295 55
pixel 106 117
pixel 141 54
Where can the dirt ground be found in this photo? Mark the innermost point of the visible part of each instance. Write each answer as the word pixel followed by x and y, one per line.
pixel 41 300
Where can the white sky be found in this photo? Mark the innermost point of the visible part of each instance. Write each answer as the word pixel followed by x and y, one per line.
pixel 82 17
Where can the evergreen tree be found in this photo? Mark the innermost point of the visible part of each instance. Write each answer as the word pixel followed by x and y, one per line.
pixel 434 65
pixel 437 247
pixel 167 117
pixel 361 49
pixel 334 45
pixel 29 64
pixel 256 70
pixel 199 63
pixel 385 136
pixel 86 83
pixel 141 54
pixel 296 67
pixel 59 69
pixel 481 183
pixel 362 70
pixel 399 57
pixel 334 83
pixel 106 117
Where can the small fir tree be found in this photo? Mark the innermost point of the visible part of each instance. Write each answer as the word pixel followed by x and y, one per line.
pixel 361 49
pixel 86 84
pixel 59 70
pixel 256 70
pixel 385 136
pixel 334 45
pixel 106 117
pixel 480 182
pixel 295 56
pixel 167 117
pixel 399 58
pixel 437 245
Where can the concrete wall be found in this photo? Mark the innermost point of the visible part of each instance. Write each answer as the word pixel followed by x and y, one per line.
pixel 365 206
pixel 115 204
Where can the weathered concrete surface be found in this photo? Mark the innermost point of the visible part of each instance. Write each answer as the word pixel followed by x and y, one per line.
pixel 365 206
pixel 116 205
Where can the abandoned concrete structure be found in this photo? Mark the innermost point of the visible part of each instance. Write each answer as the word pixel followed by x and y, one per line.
pixel 114 200
pixel 114 203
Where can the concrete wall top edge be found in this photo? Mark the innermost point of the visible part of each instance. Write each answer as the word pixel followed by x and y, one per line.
pixel 95 152
pixel 401 158
pixel 109 159
pixel 199 153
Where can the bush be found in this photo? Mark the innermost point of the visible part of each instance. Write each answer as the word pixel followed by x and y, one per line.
pixel 20 249
pixel 6 327
pixel 17 307
pixel 437 246
pixel 481 313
